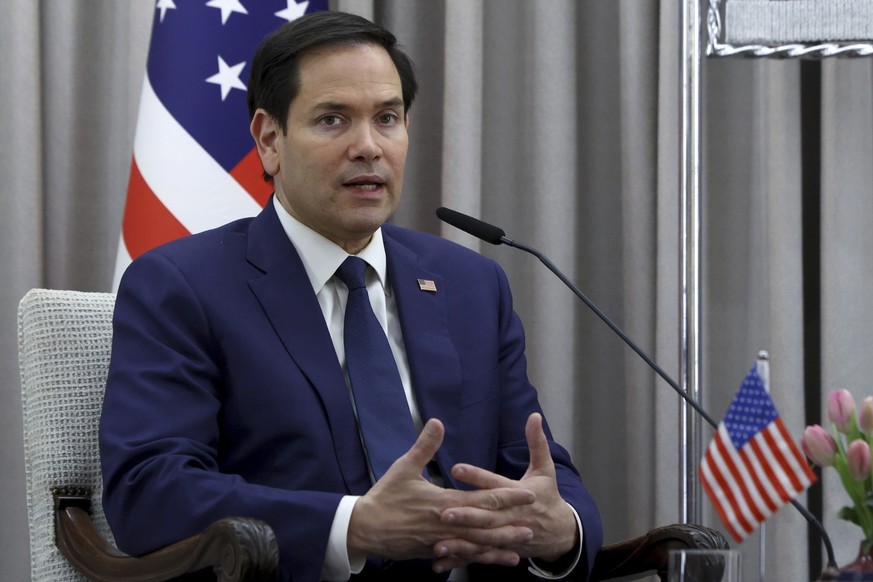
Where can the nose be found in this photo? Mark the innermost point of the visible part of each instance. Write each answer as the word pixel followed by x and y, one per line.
pixel 365 143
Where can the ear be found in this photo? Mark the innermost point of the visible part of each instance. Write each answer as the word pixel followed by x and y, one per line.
pixel 267 134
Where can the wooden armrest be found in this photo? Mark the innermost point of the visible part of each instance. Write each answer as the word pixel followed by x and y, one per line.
pixel 649 552
pixel 238 549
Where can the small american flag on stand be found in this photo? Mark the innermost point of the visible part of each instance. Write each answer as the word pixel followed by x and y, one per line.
pixel 752 467
pixel 194 163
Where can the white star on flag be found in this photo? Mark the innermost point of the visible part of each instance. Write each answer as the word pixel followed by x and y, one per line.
pixel 227 8
pixel 227 77
pixel 163 6
pixel 293 11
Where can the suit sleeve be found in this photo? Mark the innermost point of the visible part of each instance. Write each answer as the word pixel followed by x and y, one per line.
pixel 160 438
pixel 513 455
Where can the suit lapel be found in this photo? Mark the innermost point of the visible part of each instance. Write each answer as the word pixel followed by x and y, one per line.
pixel 286 296
pixel 433 360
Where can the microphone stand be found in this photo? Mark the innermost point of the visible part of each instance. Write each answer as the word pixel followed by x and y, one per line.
pixel 810 518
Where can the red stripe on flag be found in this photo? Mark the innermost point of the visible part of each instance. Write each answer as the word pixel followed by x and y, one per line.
pixel 719 508
pixel 732 492
pixel 147 222
pixel 741 485
pixel 780 458
pixel 249 172
pixel 771 476
pixel 753 473
pixel 795 451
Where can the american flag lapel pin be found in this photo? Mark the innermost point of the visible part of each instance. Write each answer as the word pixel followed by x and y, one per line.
pixel 427 285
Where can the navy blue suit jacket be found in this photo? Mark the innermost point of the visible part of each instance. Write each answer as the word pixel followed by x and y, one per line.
pixel 225 396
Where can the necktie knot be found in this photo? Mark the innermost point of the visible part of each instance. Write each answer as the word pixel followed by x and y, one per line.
pixel 352 272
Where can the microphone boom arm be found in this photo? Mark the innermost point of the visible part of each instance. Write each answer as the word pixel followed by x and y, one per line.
pixel 652 364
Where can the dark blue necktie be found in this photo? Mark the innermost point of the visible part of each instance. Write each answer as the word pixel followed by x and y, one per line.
pixel 383 412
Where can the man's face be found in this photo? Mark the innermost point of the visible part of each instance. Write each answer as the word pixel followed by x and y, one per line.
pixel 339 168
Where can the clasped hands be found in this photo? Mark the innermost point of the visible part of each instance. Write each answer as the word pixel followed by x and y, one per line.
pixel 404 516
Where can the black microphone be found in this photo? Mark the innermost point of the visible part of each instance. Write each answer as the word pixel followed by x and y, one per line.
pixel 487 232
pixel 496 236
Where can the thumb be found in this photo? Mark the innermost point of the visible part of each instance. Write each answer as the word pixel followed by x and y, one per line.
pixel 426 445
pixel 538 445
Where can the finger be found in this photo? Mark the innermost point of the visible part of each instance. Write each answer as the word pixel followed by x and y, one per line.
pixel 426 445
pixel 538 445
pixel 497 535
pixel 496 556
pixel 458 548
pixel 475 542
pixel 473 517
pixel 462 549
pixel 491 499
pixel 480 478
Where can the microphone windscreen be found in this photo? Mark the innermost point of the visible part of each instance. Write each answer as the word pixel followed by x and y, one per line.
pixel 483 230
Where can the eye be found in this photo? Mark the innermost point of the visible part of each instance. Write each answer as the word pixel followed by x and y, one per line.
pixel 389 118
pixel 330 120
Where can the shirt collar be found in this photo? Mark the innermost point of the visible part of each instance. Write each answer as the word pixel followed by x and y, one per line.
pixel 322 257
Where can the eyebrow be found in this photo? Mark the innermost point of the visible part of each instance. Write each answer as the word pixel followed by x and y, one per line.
pixel 336 106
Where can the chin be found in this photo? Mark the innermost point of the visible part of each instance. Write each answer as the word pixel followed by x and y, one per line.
pixel 368 219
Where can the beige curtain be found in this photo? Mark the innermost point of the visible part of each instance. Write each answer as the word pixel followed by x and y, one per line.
pixel 559 121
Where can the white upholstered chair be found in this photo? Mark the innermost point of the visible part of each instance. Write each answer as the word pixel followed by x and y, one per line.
pixel 64 342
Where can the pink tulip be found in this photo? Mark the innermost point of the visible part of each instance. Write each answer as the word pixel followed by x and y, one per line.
pixel 865 416
pixel 858 459
pixel 841 409
pixel 818 445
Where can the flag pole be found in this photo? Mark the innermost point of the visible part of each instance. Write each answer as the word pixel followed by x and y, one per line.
pixel 764 372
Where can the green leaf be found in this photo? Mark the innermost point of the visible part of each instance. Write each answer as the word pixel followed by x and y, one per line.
pixel 850 514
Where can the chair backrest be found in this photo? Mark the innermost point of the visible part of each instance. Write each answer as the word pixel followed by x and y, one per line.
pixel 64 343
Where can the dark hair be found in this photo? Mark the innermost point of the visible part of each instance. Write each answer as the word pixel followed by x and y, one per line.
pixel 275 75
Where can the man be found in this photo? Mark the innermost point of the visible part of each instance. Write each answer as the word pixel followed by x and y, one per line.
pixel 232 390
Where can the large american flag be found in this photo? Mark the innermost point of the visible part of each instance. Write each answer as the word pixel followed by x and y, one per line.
pixel 194 163
pixel 752 467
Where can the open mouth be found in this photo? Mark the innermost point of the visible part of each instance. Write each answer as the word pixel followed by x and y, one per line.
pixel 368 186
pixel 366 183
